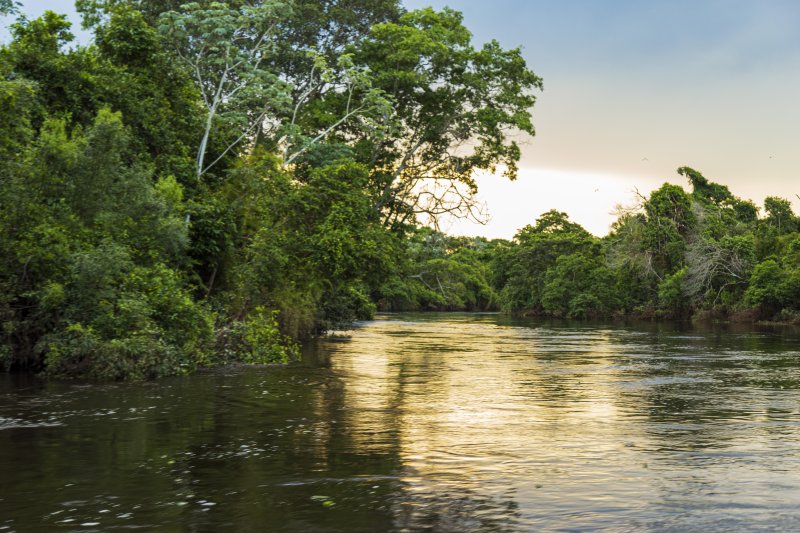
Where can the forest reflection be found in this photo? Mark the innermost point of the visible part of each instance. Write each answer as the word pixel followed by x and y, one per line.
pixel 573 417
pixel 427 422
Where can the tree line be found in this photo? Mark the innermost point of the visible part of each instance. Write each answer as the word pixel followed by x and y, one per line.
pixel 678 254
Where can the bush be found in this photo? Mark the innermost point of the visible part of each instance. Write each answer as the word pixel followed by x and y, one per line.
pixel 256 339
pixel 766 284
pixel 671 297
pixel 80 352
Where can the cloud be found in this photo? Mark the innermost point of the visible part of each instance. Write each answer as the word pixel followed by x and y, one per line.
pixel 588 198
pixel 710 84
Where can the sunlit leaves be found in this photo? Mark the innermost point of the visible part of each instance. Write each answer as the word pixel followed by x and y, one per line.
pixel 226 50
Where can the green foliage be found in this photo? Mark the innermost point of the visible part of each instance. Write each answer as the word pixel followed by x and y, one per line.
pixel 66 80
pixel 256 340
pixel 16 100
pixel 766 288
pixel 704 190
pixel 124 322
pixel 441 273
pixel 670 203
pixel 579 285
pixel 90 247
pixel 96 12
pixel 779 217
pixel 224 48
pixel 157 98
pixel 538 249
pixel 745 210
pixel 674 256
pixel 447 94
pixel 669 220
pixel 114 253
pixel 672 294
pixel 211 182
pixel 8 7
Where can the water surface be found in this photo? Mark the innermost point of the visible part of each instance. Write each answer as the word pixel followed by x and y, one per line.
pixel 426 423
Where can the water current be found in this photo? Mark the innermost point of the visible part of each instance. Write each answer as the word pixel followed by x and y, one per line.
pixel 442 422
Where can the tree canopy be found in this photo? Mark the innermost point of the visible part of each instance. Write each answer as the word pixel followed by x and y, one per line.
pixel 215 181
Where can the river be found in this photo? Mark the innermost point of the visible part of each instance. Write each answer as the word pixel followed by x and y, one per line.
pixel 442 422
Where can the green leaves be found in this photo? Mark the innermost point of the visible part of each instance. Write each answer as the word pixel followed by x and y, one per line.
pixel 9 7
pixel 532 269
pixel 454 109
pixel 580 285
pixel 226 50
pixel 92 250
pixel 441 273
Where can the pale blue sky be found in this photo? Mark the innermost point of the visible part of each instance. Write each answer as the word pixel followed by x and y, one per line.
pixel 34 8
pixel 634 89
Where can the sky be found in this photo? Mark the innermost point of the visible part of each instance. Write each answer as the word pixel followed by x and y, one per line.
pixel 634 90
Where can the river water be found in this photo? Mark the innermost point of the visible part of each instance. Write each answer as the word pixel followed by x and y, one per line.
pixel 450 422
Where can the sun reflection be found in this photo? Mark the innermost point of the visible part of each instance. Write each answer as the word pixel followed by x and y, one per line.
pixel 467 425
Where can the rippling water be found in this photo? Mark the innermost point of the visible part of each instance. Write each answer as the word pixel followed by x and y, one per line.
pixel 426 423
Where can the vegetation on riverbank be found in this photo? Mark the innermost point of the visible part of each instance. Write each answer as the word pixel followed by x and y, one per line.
pixel 213 182
pixel 703 254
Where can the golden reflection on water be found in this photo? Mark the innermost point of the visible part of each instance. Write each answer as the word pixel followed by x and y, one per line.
pixel 428 423
pixel 504 428
pixel 543 421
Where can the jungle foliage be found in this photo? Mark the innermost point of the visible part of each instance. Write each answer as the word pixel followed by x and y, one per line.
pixel 212 182
pixel 678 254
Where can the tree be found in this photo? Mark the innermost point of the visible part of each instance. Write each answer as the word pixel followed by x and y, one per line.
pixel 226 49
pixel 66 79
pixel 312 249
pixel 713 266
pixel 231 53
pixel 745 211
pixel 538 249
pixel 95 12
pixel 580 285
pixel 672 294
pixel 345 82
pixel 705 190
pixel 456 110
pixel 669 220
pixel 779 214
pixel 765 289
pixel 156 96
pixel 441 273
pixel 90 254
pixel 17 98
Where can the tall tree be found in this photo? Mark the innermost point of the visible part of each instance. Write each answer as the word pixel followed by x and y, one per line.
pixel 457 110
pixel 66 78
pixel 226 50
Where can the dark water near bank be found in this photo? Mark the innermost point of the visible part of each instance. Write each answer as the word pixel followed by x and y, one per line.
pixel 426 423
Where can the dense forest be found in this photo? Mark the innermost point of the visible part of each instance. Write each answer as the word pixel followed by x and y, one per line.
pixel 215 182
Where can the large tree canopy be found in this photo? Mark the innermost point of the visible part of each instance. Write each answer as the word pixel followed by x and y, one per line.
pixel 457 110
pixel 208 179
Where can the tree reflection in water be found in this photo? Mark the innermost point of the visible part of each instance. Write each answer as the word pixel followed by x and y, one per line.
pixel 426 423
